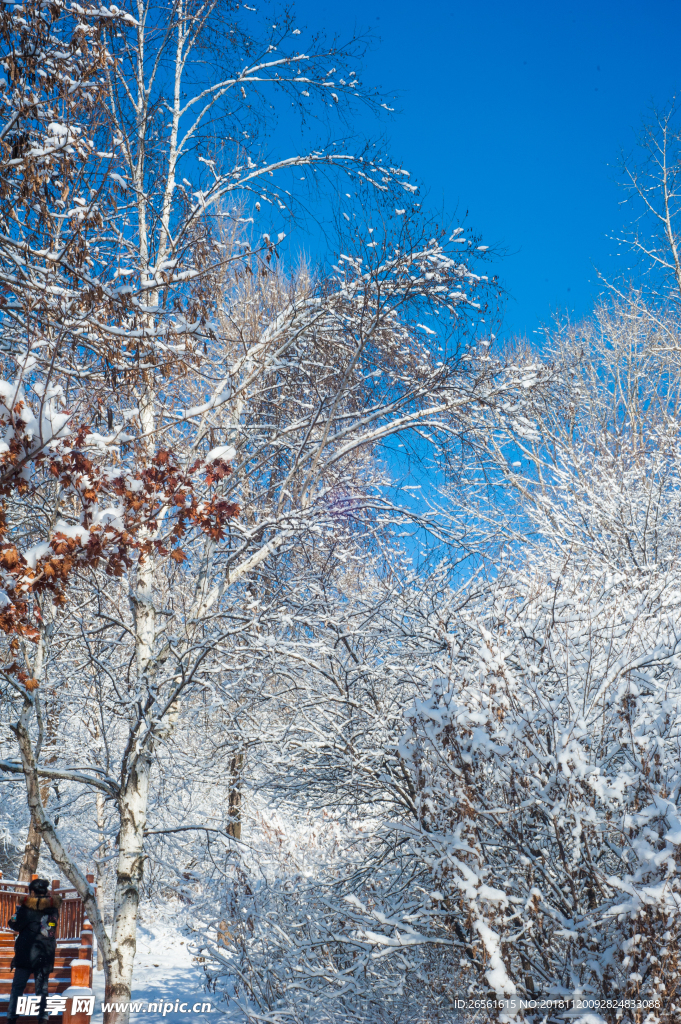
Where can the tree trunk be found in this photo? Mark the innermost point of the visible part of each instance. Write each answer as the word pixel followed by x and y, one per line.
pixel 134 796
pixel 29 864
pixel 119 964
pixel 234 809
pixel 59 854
pixel 101 852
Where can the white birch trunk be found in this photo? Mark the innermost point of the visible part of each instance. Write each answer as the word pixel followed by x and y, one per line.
pixel 134 798
pixel 119 964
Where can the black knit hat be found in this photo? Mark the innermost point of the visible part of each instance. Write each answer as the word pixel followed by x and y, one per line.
pixel 39 886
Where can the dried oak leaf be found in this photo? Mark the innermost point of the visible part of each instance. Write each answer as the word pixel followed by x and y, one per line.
pixel 9 558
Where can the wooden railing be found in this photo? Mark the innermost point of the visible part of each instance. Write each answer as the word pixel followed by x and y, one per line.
pixel 73 928
pixel 71 915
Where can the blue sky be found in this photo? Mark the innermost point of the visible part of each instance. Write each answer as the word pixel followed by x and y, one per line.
pixel 518 112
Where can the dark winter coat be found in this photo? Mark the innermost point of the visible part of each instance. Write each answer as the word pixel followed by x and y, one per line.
pixel 36 922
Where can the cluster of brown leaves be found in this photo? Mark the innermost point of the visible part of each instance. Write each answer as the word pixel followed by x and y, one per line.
pixel 134 501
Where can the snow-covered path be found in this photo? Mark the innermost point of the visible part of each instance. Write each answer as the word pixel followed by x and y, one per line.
pixel 165 973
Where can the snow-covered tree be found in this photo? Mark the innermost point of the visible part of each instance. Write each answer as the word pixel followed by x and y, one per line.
pixel 235 437
pixel 476 783
pixel 546 757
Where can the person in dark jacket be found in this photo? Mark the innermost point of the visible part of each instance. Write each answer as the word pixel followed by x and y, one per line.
pixel 35 919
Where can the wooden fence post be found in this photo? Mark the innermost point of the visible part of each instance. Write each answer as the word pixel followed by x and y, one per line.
pixel 80 1002
pixel 85 949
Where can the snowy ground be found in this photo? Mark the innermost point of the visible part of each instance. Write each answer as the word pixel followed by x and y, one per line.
pixel 165 972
